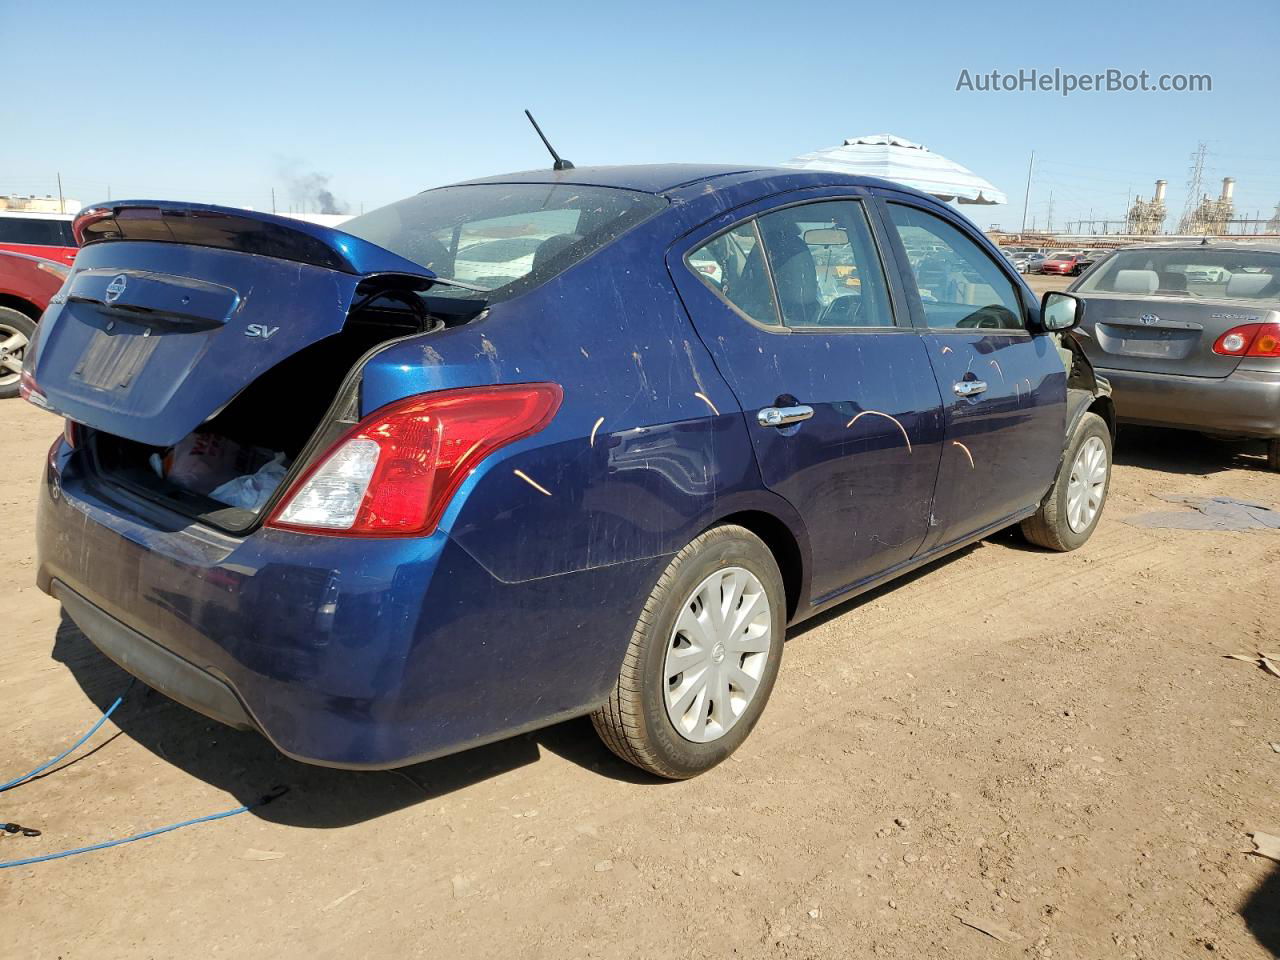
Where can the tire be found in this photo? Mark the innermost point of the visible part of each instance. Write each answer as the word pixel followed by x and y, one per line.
pixel 13 324
pixel 1051 526
pixel 635 722
pixel 1273 455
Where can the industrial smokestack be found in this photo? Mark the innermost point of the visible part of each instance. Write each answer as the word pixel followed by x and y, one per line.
pixel 1228 187
pixel 1160 185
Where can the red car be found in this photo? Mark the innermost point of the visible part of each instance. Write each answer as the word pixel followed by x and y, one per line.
pixel 45 235
pixel 26 286
pixel 1064 264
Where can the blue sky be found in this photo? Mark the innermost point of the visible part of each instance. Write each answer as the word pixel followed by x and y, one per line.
pixel 219 102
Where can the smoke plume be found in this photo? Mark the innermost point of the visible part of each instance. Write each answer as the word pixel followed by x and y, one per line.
pixel 308 190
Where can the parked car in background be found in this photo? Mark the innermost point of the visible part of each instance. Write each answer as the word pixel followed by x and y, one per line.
pixel 1033 262
pixel 1189 336
pixel 604 486
pixel 26 286
pixel 1064 264
pixel 46 235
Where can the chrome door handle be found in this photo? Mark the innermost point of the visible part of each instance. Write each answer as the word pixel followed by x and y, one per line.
pixel 969 388
pixel 781 416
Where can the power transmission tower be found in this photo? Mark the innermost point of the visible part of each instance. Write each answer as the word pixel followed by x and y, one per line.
pixel 1195 187
pixel 1049 217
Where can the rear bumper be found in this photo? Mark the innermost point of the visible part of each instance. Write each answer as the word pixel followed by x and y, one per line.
pixel 1244 404
pixel 361 654
pixel 151 663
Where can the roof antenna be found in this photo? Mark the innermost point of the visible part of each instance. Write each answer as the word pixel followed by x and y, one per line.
pixel 560 162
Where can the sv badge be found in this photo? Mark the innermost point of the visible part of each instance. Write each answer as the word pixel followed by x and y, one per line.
pixel 260 330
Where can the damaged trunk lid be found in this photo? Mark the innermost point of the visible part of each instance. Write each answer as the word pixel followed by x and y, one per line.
pixel 173 309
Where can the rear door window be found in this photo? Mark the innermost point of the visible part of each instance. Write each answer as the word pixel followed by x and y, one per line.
pixel 825 266
pixel 732 264
pixel 808 266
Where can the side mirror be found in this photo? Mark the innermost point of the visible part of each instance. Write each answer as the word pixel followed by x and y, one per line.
pixel 1060 311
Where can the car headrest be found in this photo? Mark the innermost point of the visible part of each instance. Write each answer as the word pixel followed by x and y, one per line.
pixel 551 247
pixel 1142 282
pixel 795 277
pixel 1247 284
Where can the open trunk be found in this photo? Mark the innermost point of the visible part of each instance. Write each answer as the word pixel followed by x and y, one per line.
pixel 209 331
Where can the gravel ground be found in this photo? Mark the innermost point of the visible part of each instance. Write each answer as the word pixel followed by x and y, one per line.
pixel 1051 747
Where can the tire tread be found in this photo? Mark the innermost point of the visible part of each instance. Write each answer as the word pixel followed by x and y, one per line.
pixel 1042 528
pixel 620 720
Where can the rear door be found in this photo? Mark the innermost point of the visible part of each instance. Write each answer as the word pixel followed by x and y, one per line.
pixel 149 337
pixel 793 302
pixel 1003 387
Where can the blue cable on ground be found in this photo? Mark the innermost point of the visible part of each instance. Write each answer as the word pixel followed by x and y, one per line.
pixel 14 828
pixel 65 753
pixel 274 794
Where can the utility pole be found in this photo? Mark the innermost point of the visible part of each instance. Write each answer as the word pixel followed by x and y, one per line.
pixel 1049 217
pixel 1026 196
pixel 62 207
pixel 273 199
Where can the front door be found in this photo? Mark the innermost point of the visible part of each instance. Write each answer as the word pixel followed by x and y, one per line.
pixel 841 404
pixel 1003 387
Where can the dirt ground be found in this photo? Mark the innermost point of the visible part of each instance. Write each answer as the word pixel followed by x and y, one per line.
pixel 1049 745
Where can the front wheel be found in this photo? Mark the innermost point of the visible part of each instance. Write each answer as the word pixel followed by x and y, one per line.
pixel 16 331
pixel 1068 515
pixel 702 658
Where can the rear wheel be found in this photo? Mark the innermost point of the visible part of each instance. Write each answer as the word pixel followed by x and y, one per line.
pixel 1068 515
pixel 16 331
pixel 702 659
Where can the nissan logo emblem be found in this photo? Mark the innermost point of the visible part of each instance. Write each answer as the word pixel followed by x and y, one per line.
pixel 116 287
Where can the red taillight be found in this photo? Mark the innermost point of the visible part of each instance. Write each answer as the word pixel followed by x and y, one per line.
pixel 395 472
pixel 1250 340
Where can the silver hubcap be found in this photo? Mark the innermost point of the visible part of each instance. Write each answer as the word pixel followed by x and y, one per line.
pixel 12 347
pixel 717 654
pixel 1087 484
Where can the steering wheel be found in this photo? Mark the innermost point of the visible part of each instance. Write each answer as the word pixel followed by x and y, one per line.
pixel 841 311
pixel 990 317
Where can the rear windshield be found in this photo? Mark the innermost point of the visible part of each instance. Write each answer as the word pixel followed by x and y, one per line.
pixel 1236 274
pixel 37 232
pixel 504 238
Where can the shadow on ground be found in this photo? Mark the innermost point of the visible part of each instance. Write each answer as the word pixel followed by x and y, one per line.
pixel 1185 452
pixel 1262 913
pixel 245 765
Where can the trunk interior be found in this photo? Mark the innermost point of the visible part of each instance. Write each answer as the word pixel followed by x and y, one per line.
pixel 297 407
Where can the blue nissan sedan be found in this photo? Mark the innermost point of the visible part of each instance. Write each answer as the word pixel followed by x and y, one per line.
pixel 545 445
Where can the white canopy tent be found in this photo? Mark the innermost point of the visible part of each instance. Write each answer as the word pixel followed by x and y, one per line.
pixel 898 159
